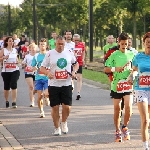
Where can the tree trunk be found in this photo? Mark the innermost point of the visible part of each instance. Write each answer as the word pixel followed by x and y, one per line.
pixel 134 30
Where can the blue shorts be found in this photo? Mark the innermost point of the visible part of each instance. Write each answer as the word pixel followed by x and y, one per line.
pixel 41 85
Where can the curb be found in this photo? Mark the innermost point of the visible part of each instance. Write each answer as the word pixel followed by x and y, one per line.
pixel 100 85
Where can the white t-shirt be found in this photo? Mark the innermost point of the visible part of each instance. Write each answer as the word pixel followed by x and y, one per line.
pixel 10 65
pixel 70 45
pixel 1 44
pixel 28 60
pixel 60 65
pixel 16 41
pixel 133 50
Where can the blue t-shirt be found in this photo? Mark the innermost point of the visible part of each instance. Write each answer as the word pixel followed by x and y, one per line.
pixel 142 62
pixel 36 62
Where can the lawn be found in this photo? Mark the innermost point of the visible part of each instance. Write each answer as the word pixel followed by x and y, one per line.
pixel 95 76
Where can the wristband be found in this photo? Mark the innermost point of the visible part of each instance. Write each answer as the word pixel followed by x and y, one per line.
pixel 113 69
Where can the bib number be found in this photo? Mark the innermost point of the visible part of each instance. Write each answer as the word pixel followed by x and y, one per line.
pixel 123 86
pixel 78 52
pixel 144 80
pixel 61 74
pixel 28 69
pixel 10 66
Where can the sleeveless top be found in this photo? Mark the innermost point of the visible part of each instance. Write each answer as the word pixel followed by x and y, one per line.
pixel 10 64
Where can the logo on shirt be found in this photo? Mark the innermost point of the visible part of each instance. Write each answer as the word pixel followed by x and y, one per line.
pixel 61 63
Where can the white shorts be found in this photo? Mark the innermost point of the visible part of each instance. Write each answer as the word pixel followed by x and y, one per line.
pixel 141 96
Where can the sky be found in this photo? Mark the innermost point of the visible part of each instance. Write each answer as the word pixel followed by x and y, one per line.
pixel 11 2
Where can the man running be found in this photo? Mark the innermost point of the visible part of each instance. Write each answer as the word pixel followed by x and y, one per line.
pixel 41 81
pixel 120 64
pixel 52 41
pixel 60 89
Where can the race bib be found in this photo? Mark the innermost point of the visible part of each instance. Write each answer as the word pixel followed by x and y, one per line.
pixel 10 66
pixel 41 73
pixel 28 69
pixel 61 74
pixel 144 80
pixel 78 51
pixel 123 86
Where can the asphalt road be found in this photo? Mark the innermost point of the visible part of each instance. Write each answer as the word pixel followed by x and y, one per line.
pixel 90 123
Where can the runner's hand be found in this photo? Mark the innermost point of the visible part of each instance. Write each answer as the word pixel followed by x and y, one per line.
pixel 6 57
pixel 50 76
pixel 119 69
pixel 73 75
pixel 130 80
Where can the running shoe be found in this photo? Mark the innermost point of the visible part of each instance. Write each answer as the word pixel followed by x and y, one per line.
pixel 146 148
pixel 7 104
pixel 78 96
pixel 14 105
pixel 57 131
pixel 118 136
pixel 64 127
pixel 126 133
pixel 32 104
pixel 42 115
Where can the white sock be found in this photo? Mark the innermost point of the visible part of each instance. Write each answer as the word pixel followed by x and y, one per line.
pixel 145 144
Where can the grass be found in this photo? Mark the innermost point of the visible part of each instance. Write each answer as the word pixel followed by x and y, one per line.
pixel 95 76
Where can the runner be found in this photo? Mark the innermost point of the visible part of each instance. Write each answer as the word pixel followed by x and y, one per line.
pixel 29 74
pixel 110 44
pixel 52 41
pixel 41 81
pixel 25 49
pixel 119 64
pixel 141 64
pixel 10 71
pixel 60 89
pixel 69 45
pixel 80 55
pixel 2 42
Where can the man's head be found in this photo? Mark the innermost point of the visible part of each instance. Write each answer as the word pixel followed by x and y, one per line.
pixel 60 43
pixel 68 35
pixel 23 38
pixel 15 36
pixel 110 39
pixel 43 44
pixel 129 42
pixel 54 35
pixel 76 38
pixel 123 41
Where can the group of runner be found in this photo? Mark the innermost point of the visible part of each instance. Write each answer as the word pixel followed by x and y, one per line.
pixel 49 73
pixel 129 71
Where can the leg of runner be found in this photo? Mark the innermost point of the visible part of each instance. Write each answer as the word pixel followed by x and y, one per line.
pixel 46 97
pixel 122 107
pixel 143 109
pixel 6 95
pixel 79 85
pixel 65 114
pixel 117 112
pixel 40 103
pixel 127 115
pixel 56 117
pixel 30 83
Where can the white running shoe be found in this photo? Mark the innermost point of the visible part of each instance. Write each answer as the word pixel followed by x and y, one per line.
pixel 57 131
pixel 42 115
pixel 64 127
pixel 32 104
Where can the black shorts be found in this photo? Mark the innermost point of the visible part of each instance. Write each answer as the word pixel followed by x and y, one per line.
pixel 116 95
pixel 60 95
pixel 10 79
pixel 80 70
pixel 30 76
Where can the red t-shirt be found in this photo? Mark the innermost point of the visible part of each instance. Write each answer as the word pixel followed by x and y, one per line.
pixel 79 49
pixel 24 49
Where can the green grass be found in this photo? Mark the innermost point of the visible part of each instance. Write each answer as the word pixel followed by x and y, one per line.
pixel 95 76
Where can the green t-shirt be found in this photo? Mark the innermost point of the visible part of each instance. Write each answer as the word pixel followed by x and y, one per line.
pixel 51 43
pixel 108 46
pixel 119 59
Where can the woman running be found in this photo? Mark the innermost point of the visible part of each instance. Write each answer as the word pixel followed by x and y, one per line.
pixel 141 64
pixel 29 73
pixel 10 71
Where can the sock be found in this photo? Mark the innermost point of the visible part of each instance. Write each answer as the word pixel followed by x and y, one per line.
pixel 145 144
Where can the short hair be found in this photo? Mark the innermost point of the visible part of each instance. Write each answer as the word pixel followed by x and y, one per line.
pixel 6 41
pixel 53 32
pixel 59 37
pixel 123 36
pixel 67 31
pixel 76 36
pixel 32 44
pixel 146 35
pixel 43 40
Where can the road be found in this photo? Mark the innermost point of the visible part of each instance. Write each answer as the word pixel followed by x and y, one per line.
pixel 90 124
